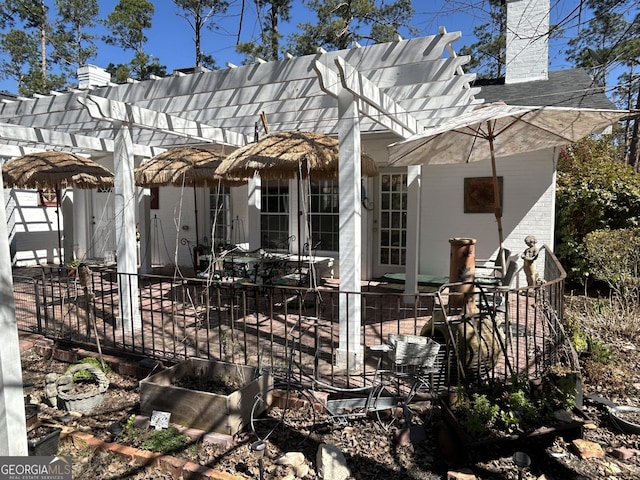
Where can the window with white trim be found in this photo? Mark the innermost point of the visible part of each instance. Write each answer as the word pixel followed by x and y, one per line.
pixel 274 214
pixel 393 219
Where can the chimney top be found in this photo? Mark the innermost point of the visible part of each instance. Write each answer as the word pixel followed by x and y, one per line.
pixel 527 40
pixel 92 76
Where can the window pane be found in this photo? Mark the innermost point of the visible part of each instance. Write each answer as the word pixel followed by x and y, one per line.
pixel 274 218
pixel 324 213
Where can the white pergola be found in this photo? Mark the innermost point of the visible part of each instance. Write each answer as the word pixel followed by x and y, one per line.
pixel 391 90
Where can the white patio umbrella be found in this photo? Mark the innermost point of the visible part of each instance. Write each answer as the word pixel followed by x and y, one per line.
pixel 495 130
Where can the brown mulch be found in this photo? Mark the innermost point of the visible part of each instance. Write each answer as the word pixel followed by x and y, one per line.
pixel 370 450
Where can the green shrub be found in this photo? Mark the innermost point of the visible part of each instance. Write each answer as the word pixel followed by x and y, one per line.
pixel 598 351
pixel 481 414
pixel 595 190
pixel 613 257
pixel 164 441
pixel 575 332
pixel 87 375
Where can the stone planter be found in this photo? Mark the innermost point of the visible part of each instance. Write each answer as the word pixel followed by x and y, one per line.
pixel 210 411
pixel 86 400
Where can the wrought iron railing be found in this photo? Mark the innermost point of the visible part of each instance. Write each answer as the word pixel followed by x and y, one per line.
pixel 521 328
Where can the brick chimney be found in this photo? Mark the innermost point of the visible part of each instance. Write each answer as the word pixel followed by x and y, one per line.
pixel 527 40
pixel 92 76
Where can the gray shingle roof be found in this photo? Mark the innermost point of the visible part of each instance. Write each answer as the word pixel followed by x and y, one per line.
pixel 564 88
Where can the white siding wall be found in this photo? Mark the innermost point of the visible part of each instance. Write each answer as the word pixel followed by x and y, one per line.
pixel 529 184
pixel 33 230
pixel 176 211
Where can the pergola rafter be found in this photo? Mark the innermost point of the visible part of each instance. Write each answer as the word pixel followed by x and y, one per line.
pixel 43 138
pixel 416 75
pixel 113 111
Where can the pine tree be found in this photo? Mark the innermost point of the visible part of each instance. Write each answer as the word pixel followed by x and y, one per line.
pixel 610 40
pixel 127 23
pixel 198 14
pixel 340 23
pixel 271 13
pixel 73 44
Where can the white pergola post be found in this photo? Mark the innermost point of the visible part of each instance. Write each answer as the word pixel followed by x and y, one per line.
pixel 144 227
pixel 81 226
pixel 350 353
pixel 125 220
pixel 413 232
pixel 253 213
pixel 13 429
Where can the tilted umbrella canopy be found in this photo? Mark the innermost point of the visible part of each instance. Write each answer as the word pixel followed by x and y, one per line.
pixel 54 170
pixel 497 130
pixel 283 155
pixel 182 166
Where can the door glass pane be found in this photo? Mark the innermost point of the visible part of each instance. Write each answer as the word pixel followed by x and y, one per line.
pixel 220 216
pixel 393 219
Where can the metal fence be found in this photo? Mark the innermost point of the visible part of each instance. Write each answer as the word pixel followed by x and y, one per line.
pixel 513 331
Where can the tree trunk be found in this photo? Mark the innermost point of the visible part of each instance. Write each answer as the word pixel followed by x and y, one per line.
pixel 634 148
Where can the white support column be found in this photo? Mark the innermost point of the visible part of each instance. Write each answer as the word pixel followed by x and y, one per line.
pixel 81 228
pixel 253 213
pixel 350 353
pixel 125 220
pixel 413 232
pixel 67 201
pixel 13 430
pixel 144 227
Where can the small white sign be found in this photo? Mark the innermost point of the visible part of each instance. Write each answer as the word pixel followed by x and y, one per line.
pixel 159 419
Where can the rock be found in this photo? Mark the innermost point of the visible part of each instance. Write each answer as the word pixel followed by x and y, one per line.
pixel 464 474
pixel 624 453
pixel 587 449
pixel 562 416
pixel 331 463
pixel 291 458
pixel 301 471
pixel 611 468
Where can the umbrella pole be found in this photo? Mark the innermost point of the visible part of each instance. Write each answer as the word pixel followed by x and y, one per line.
pixel 195 207
pixel 59 230
pixel 299 221
pixel 496 196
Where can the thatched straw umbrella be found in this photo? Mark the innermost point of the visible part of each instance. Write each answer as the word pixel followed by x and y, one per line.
pixel 184 166
pixel 284 155
pixel 54 169
pixel 288 155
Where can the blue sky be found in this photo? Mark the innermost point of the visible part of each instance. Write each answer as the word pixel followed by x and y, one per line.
pixel 171 38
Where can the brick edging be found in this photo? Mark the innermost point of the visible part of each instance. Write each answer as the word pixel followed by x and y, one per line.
pixel 176 467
